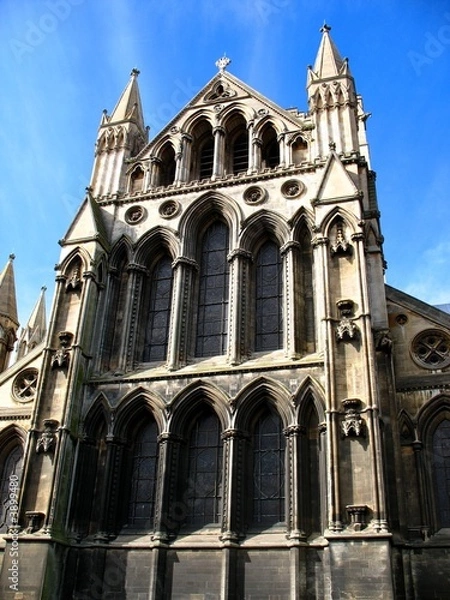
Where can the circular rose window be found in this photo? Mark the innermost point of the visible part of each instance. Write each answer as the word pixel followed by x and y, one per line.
pixel 24 385
pixel 431 349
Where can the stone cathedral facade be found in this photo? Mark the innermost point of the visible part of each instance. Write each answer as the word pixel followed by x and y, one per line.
pixel 228 401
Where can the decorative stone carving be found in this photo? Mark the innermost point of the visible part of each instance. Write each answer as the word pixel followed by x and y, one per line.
pixel 254 195
pixel 293 188
pixel 383 341
pixel 74 282
pixel 35 521
pixel 357 515
pixel 346 328
pixel 401 319
pixel 24 385
pixel 61 356
pixel 135 215
pixel 341 245
pixel 169 209
pixel 353 424
pixel 47 440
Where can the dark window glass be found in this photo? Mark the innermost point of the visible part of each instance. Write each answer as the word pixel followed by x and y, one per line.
pixel 268 470
pixel 212 323
pixel 12 470
pixel 167 166
pixel 204 483
pixel 207 159
pixel 143 478
pixel 441 460
pixel 159 311
pixel 240 153
pixel 269 298
pixel 270 152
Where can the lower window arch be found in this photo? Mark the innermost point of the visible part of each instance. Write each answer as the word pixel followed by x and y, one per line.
pixel 441 472
pixel 268 470
pixel 11 472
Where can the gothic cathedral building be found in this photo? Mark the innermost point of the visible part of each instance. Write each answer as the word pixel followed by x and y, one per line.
pixel 228 401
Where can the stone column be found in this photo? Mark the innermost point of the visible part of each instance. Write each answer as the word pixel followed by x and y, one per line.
pixel 184 166
pixel 371 385
pixel 155 168
pixel 296 508
pixel 132 314
pixel 292 299
pixel 165 520
pixel 239 313
pixel 181 318
pixel 219 152
pixel 250 168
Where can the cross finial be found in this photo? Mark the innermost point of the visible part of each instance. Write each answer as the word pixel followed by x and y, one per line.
pixel 325 28
pixel 223 63
pixel 134 72
pixel 12 256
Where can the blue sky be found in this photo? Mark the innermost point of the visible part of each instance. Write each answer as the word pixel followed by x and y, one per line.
pixel 64 61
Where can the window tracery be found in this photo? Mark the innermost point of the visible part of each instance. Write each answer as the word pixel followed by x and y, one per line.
pixel 269 297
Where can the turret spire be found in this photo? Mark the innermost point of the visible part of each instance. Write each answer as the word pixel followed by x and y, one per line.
pixel 36 328
pixel 329 62
pixel 129 106
pixel 8 303
pixel 9 321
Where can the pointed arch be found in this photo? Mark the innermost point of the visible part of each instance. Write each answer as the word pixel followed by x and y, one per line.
pixel 135 404
pixel 185 404
pixel 406 427
pixel 167 164
pixel 261 225
pixel 263 389
pixel 153 240
pixel 270 146
pixel 136 179
pixel 310 392
pixel 205 210
pixel 78 255
pixel 12 446
pixel 299 149
pixel 97 417
pixel 202 149
pixel 339 214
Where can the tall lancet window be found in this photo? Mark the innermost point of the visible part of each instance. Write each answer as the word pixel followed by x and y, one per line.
pixel 143 477
pixel 441 468
pixel 212 319
pixel 268 470
pixel 204 484
pixel 11 472
pixel 155 347
pixel 269 298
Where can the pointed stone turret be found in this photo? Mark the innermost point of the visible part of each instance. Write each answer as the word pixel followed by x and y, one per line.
pixel 9 321
pixel 121 135
pixel 36 328
pixel 329 62
pixel 332 100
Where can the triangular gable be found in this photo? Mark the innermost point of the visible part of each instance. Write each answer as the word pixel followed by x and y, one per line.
pixel 336 182
pixel 221 89
pixel 431 313
pixel 87 225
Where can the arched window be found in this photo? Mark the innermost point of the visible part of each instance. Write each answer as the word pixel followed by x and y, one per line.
pixel 212 319
pixel 167 166
pixel 299 151
pixel 269 298
pixel 137 180
pixel 159 309
pixel 240 153
pixel 306 297
pixel 142 477
pixel 441 472
pixel 310 472
pixel 270 151
pixel 204 472
pixel 268 470
pixel 206 158
pixel 10 475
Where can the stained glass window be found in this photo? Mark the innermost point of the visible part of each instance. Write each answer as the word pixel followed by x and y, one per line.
pixel 143 477
pixel 159 311
pixel 11 472
pixel 204 484
pixel 441 464
pixel 268 470
pixel 212 322
pixel 269 297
